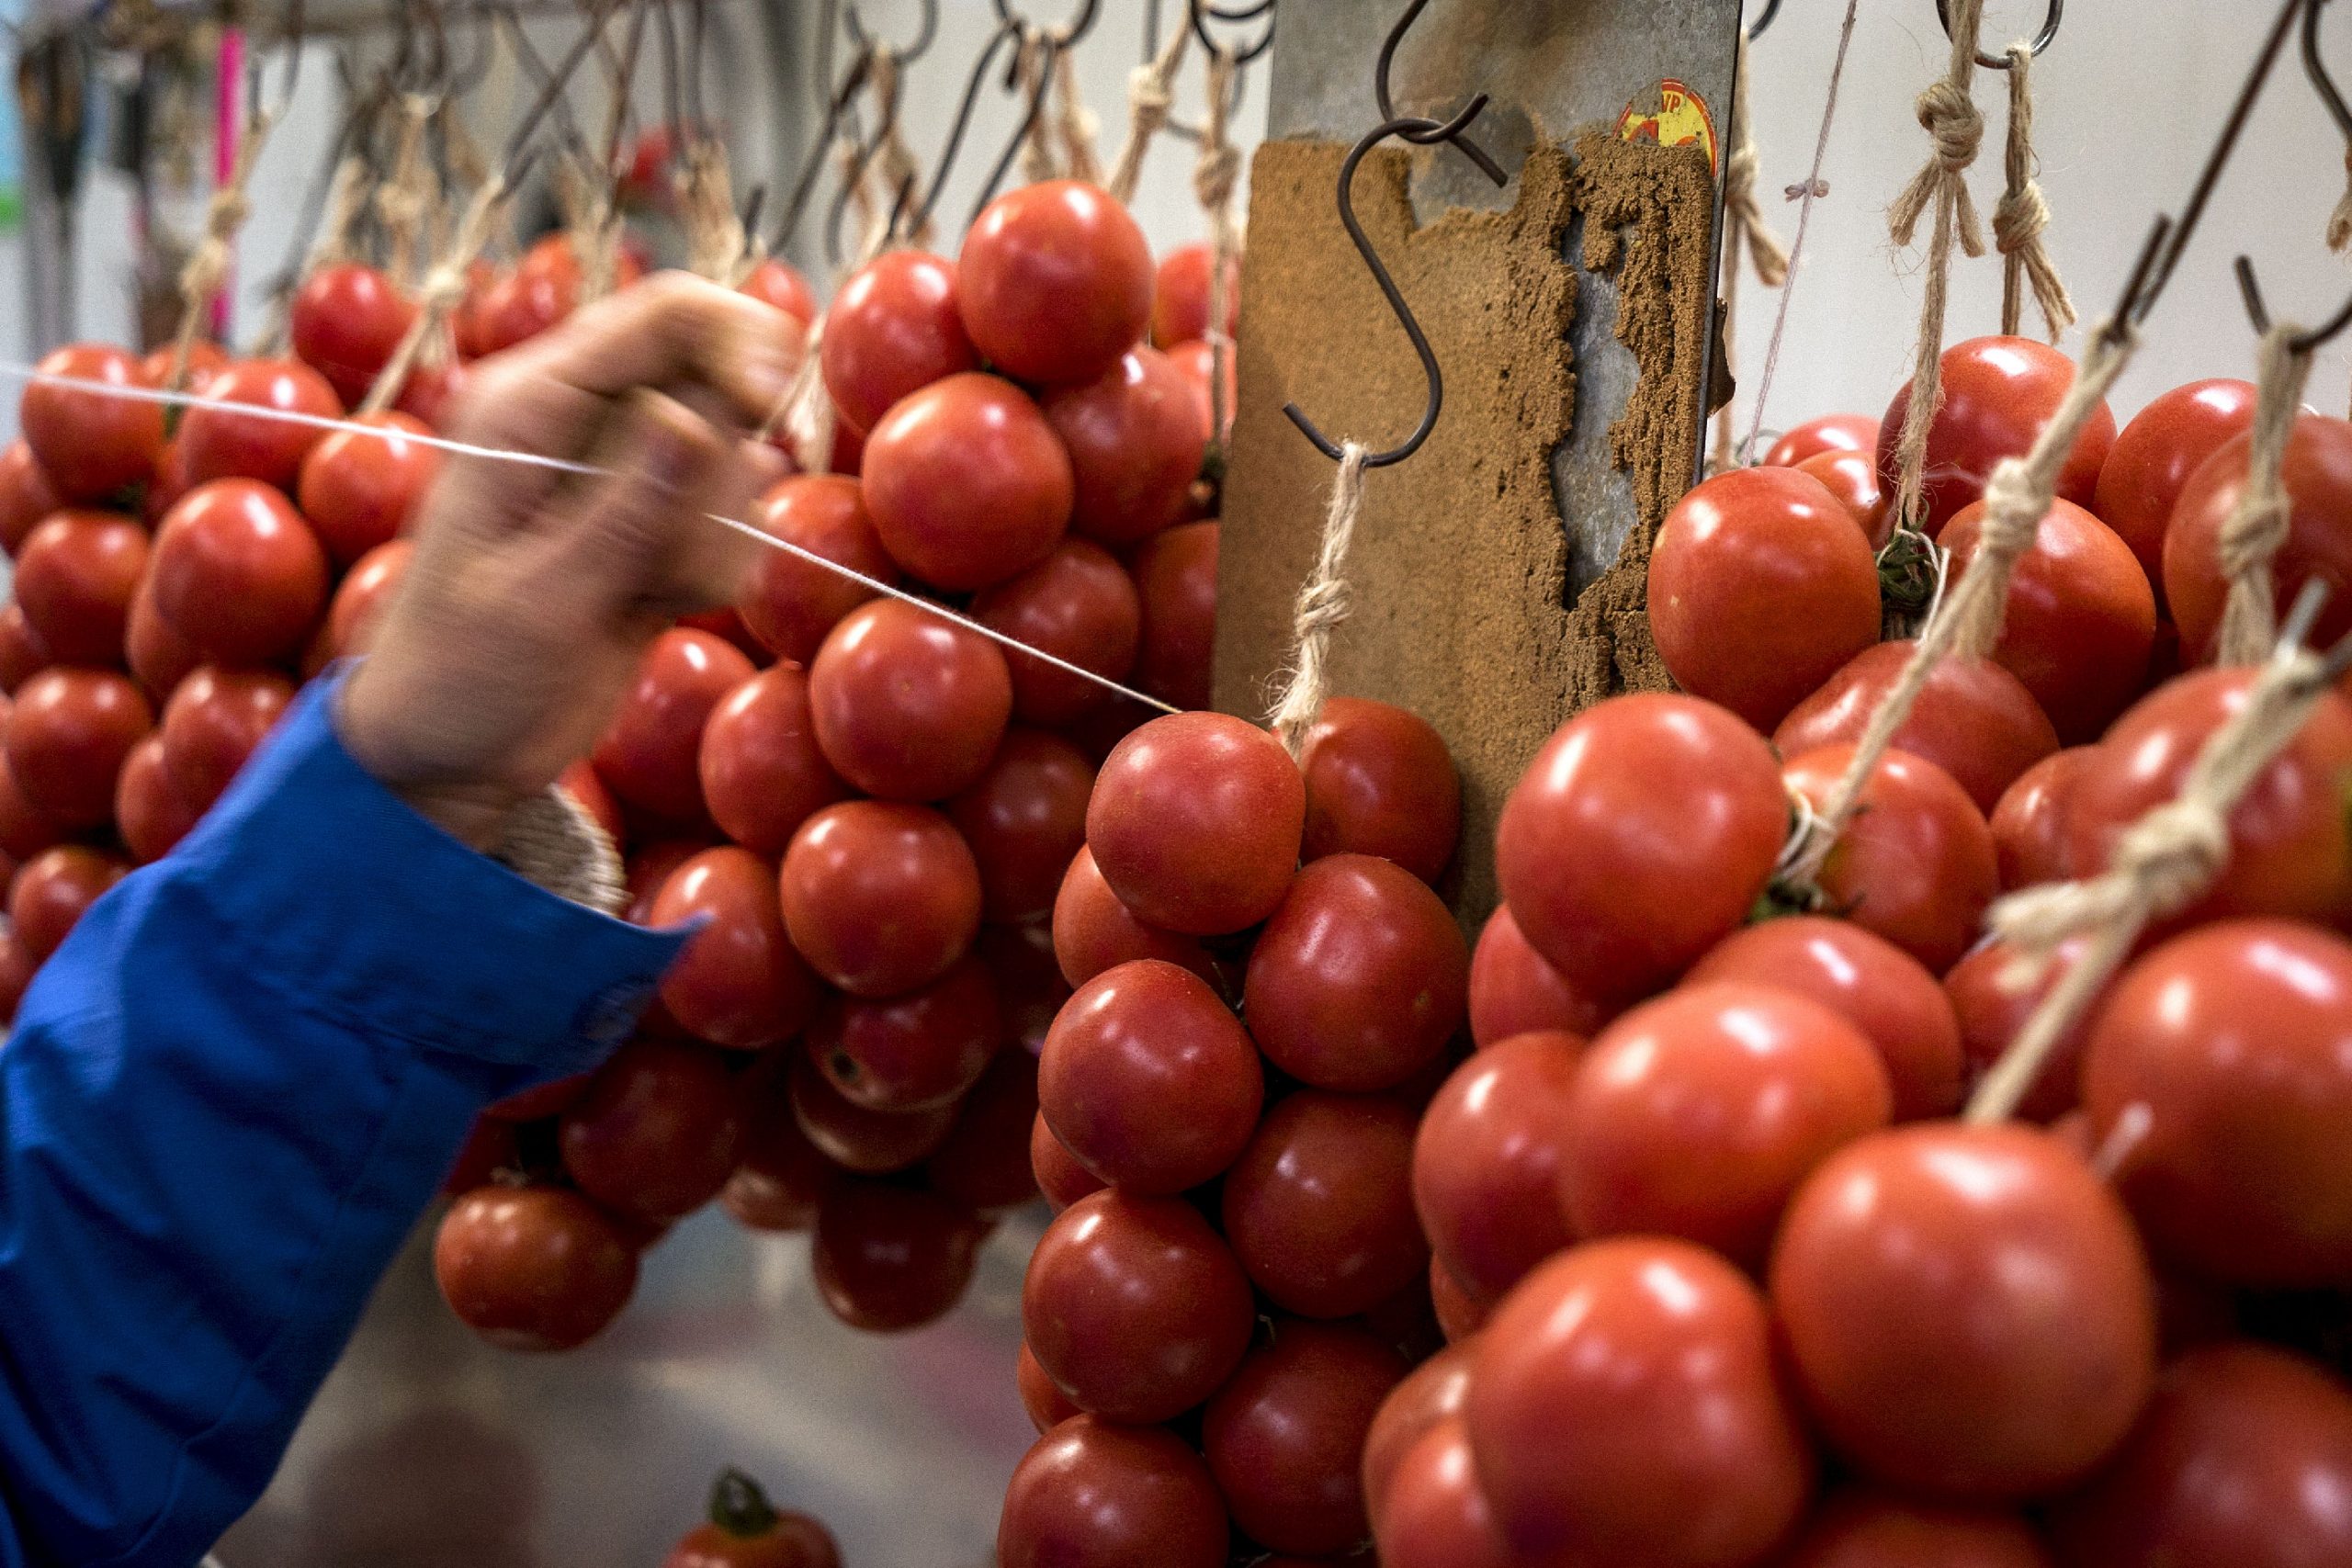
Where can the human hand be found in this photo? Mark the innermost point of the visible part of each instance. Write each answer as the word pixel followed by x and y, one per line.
pixel 533 592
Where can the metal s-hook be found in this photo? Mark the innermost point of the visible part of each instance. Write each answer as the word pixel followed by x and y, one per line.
pixel 1771 14
pixel 1202 15
pixel 819 146
pixel 2302 343
pixel 855 27
pixel 1064 36
pixel 2001 63
pixel 2316 69
pixel 1419 130
pixel 1411 129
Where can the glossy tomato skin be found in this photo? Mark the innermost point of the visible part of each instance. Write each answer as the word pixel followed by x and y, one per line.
pixel 22 653
pixel 869 1143
pixel 1094 931
pixel 1134 1307
pixel 1023 818
pixel 25 831
pixel 1080 605
pixel 347 318
pixel 1760 586
pixel 2081 617
pixel 359 602
pixel 984 1164
pixel 1487 1161
pixel 76 575
pixel 1829 433
pixel 1179 295
pixel 215 721
pixel 1136 445
pixel 966 483
pixel 1059 1176
pixel 1055 282
pixel 217 442
pixel 1380 781
pixel 1431 1393
pixel 532 1267
pixel 1991 1013
pixel 762 774
pixel 27 495
pixel 1148 1080
pixel 2317 475
pixel 88 444
pixel 1579 1407
pixel 1320 1206
pixel 1973 718
pixel 791 604
pixel 893 330
pixel 780 284
pixel 2234 1040
pixel 1867 981
pixel 2151 462
pixel 1852 477
pixel 68 733
pixel 906 705
pixel 1196 360
pixel 1638 838
pixel 1916 1279
pixel 654 1133
pixel 738 983
pixel 149 813
pixel 920 1050
pixel 649 754
pixel 1175 575
pixel 1438 1516
pixel 1915 864
pixel 1515 991
pixel 1285 1437
pixel 2028 823
pixel 1195 823
pixel 880 898
pixel 1047 1406
pixel 53 891
pixel 1096 1495
pixel 888 1258
pixel 793 1540
pixel 1998 393
pixel 1859 1528
pixel 360 490
pixel 238 574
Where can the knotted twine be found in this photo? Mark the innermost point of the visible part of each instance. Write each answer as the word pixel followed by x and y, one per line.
pixel 2257 525
pixel 1151 96
pixel 1037 159
pixel 346 197
pixel 406 194
pixel 208 265
pixel 715 237
pixel 443 288
pixel 1323 604
pixel 2339 222
pixel 2021 215
pixel 1747 237
pixel 1075 126
pixel 1214 177
pixel 894 170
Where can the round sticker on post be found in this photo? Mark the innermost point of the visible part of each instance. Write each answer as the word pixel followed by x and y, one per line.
pixel 1672 115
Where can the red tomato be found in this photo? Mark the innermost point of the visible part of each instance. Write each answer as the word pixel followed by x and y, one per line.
pixel 360 600
pixel 650 754
pixel 1320 1206
pixel 888 1258
pixel 1867 981
pixel 654 1133
pixel 780 284
pixel 2030 823
pixel 1581 1411
pixel 90 444
pixel 2153 459
pixel 967 483
pixel 1134 1308
pixel 1830 433
pixel 360 490
pixel 1105 1495
pixel 217 442
pixel 1023 818
pixel 532 1267
pixel 1195 823
pixel 1078 604
pixel 1487 1160
pixel 1175 575
pixel 744 1531
pixel 1915 863
pixel 1094 931
pixel 1180 296
pixel 1136 445
pixel 68 734
pixel 2318 479
pixel 1285 1437
pixel 919 1051
pixel 1990 1014
pixel 1920 1278
pixel 76 574
pixel 53 891
pixel 24 830
pixel 2081 617
pixel 1460 1316
pixel 1852 477
pixel 1973 719
pixel 870 1143
pixel 907 705
pixel 1998 393
pixel 1640 836
pixel 27 495
pixel 2235 1042
pixel 1380 781
pixel 170 483
pixel 1514 991
pixel 649 866
pixel 149 811
pixel 1197 360
pixel 984 1164
pixel 1761 586
pixel 1048 1406
pixel 1055 282
pixel 780 1176
pixel 1148 1080
pixel 893 330
pixel 761 772
pixel 1432 1393
pixel 432 392
pixel 22 653
pixel 1059 1176
pixel 738 983
pixel 216 719
pixel 880 898
pixel 791 603
pixel 1858 1529
pixel 238 573
pixel 579 781
pixel 1360 976
pixel 204 360
pixel 348 319
pixel 1437 1515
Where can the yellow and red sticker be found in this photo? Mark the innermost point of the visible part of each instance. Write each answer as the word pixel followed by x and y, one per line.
pixel 1673 116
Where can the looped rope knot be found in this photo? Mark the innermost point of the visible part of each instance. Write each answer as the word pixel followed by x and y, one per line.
pixel 2018 219
pixel 1951 116
pixel 2174 853
pixel 2258 524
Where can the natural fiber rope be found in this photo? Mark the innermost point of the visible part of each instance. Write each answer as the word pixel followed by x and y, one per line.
pixel 1323 604
pixel 715 237
pixel 1037 155
pixel 2021 215
pixel 895 168
pixel 1151 97
pixel 1747 237
pixel 439 294
pixel 1214 178
pixel 347 198
pixel 1075 125
pixel 2257 525
pixel 2339 222
pixel 208 265
pixel 406 194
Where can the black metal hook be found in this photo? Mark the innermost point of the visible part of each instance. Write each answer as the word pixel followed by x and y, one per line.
pixel 1408 129
pixel 913 52
pixel 2042 39
pixel 1202 15
pixel 1771 13
pixel 819 145
pixel 2302 343
pixel 551 93
pixel 1426 132
pixel 963 120
pixel 1068 33
pixel 2316 69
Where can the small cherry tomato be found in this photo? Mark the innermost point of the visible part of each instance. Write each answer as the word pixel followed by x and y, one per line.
pixel 2153 459
pixel 917 1050
pixel 1998 393
pixel 1459 1313
pixel 779 284
pixel 654 1133
pixel 780 1176
pixel 204 359
pixel 68 734
pixel 1830 433
pixel 53 893
pixel 1990 1014
pixel 1320 1206
pixel 360 490
pixel 738 983
pixel 649 754
pixel 791 604
pixel 1055 282
pixel 880 898
pixel 532 1267
pixel 1487 1161
pixel 22 653
pixel 164 491
pixel 1195 823
pixel 1175 575
pixel 149 811
pixel 1179 295
pixel 1852 477
pixel 1136 445
pixel 744 1531
pixel 1285 1437
pixel 27 495
pixel 219 442
pixel 88 442
pixel 360 600
pixel 346 321
pixel 762 774
pixel 431 391
pixel 1023 818
pixel 1093 932
pixel 1380 781
pixel 1973 718
pixel 1096 1495
pixel 893 330
pixel 1078 604
pixel 2317 477
pixel 984 1164
pixel 1915 863
pixel 888 1258
pixel 1047 1406
pixel 1059 1176
pixel 1514 990
pixel 76 575
pixel 2030 822
pixel 238 573
pixel 967 483
pixel 906 705
pixel 1431 1393
pixel 870 1143
pixel 1858 1529
pixel 1437 1515
pixel 216 719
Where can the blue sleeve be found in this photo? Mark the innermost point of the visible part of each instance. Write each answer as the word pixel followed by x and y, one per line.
pixel 227 1099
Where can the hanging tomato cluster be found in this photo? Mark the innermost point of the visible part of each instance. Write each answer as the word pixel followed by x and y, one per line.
pixel 1728 1281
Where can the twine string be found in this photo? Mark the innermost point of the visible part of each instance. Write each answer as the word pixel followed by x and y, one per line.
pixel 2258 526
pixel 1151 97
pixel 2021 215
pixel 1323 604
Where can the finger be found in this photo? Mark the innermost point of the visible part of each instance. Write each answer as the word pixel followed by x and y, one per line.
pixel 674 328
pixel 626 539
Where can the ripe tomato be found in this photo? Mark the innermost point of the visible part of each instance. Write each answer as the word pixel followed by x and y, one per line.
pixel 532 1267
pixel 1437 1515
pixel 24 830
pixel 1829 433
pixel 1380 781
pixel 1136 445
pixel 1858 1529
pixel 1761 586
pixel 1867 981
pixel 1055 282
pixel 149 813
pixel 53 891
pixel 2081 617
pixel 893 330
pixel 365 589
pixel 580 784
pixel 1047 1406
pixel 870 1143
pixel 2030 823
pixel 1285 1437
pixel 1998 393
pixel 1197 360
pixel 1487 1160
pixel 204 360
pixel 1580 1410
pixel 164 491
pixel 791 604
pixel 1920 1278
pixel 1179 295
pixel 654 1133
pixel 1852 477
pixel 1991 1015
pixel 1460 1316
pixel 2235 1042
pixel 649 754
pixel 1195 823
pixel 880 898
pixel 744 1531
pixel 1432 1393
pixel 90 444
pixel 984 1164
pixel 238 573
pixel 1973 719
pixel 431 391
pixel 1915 863
pixel 888 1258
pixel 780 1176
pixel 216 719
pixel 1094 931
pixel 1639 837
pixel 68 734
pixel 22 653
pixel 1320 1206
pixel 1360 976
pixel 217 442
pixel 1023 818
pixel 27 495
pixel 1078 604
pixel 1148 1080
pixel 1175 575
pixel 780 284
pixel 906 705
pixel 738 983
pixel 761 772
pixel 76 574
pixel 2153 459
pixel 1059 1176
pixel 914 1051
pixel 359 491
pixel 1134 1308
pixel 347 321
pixel 2318 479
pixel 967 483
pixel 1112 1496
